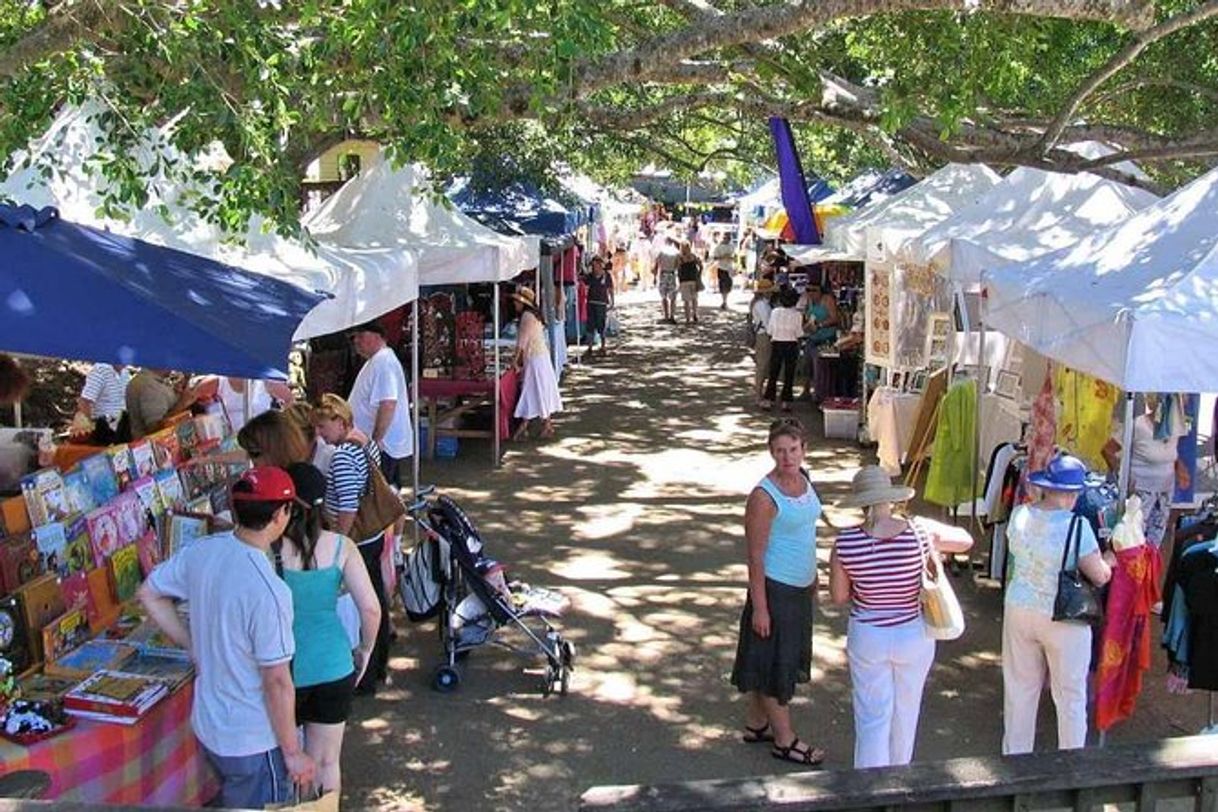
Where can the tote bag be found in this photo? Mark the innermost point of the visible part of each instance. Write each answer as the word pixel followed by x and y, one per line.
pixel 379 506
pixel 942 617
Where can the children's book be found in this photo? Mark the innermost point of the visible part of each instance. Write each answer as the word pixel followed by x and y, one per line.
pixel 182 530
pixel 46 498
pixel 165 448
pixel 46 688
pixel 89 657
pixel 52 542
pixel 174 672
pixel 64 633
pixel 78 555
pixel 102 593
pixel 80 495
pixel 173 495
pixel 114 696
pixel 41 602
pixel 100 476
pixel 132 518
pixel 125 572
pixel 16 515
pixel 187 439
pixel 200 504
pixel 76 595
pixel 103 533
pixel 149 549
pixel 20 562
pixel 143 459
pixel 145 488
pixel 120 463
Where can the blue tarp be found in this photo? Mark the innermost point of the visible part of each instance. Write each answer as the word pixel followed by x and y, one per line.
pixel 818 190
pixel 71 291
pixel 870 186
pixel 519 208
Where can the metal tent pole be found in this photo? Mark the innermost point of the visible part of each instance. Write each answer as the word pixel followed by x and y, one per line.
pixel 982 386
pixel 495 431
pixel 414 394
pixel 1126 442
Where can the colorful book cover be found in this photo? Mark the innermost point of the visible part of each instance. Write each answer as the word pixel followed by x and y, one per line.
pixel 19 561
pixel 46 688
pixel 45 497
pixel 89 657
pixel 64 633
pixel 166 449
pixel 145 488
pixel 16 516
pixel 132 518
pixel 41 602
pixel 125 569
pixel 149 548
pixel 173 495
pixel 104 537
pixel 183 531
pixel 143 459
pixel 120 463
pixel 211 427
pixel 80 495
pixel 76 595
pixel 79 553
pixel 187 439
pixel 100 476
pixel 52 542
pixel 221 498
pixel 174 672
pixel 200 504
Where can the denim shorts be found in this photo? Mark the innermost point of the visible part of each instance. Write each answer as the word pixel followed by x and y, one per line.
pixel 252 782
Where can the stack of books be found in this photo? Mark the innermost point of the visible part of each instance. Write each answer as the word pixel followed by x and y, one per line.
pixel 115 696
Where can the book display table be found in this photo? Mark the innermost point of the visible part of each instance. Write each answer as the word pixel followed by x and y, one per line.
pixel 156 762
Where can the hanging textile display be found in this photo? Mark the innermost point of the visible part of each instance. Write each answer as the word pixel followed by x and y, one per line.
pixel 1125 646
pixel 1042 435
pixel 1085 407
pixel 952 469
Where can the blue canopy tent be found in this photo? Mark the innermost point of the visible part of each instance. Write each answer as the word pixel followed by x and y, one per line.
pixel 870 186
pixel 519 208
pixel 71 291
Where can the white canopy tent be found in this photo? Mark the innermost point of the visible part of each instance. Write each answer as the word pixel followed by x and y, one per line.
pixel 1030 213
pixel 384 206
pixel 1135 304
pixel 889 224
pixel 362 283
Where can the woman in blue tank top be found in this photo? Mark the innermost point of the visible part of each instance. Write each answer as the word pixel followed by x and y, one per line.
pixel 316 565
pixel 774 651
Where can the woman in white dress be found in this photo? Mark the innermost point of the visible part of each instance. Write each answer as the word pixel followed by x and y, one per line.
pixel 539 396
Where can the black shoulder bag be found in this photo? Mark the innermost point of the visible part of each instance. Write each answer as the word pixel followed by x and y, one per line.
pixel 1078 600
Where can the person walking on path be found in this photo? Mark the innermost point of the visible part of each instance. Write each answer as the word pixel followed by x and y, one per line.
pixel 316 565
pixel 539 397
pixel 759 315
pixel 666 279
pixel 380 402
pixel 723 258
pixel 240 637
pixel 1032 641
pixel 786 328
pixel 774 650
pixel 600 300
pixel 689 272
pixel 348 483
pixel 877 569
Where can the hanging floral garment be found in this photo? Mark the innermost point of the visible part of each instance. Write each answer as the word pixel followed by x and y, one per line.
pixel 1125 645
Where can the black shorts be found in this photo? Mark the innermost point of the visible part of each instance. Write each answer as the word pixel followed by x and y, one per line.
pixel 326 704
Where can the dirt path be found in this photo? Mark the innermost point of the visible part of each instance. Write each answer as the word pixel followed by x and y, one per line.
pixel 634 511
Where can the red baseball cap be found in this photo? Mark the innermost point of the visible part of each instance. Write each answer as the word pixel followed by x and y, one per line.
pixel 266 483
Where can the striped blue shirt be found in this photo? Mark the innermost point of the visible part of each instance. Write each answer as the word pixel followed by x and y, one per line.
pixel 348 479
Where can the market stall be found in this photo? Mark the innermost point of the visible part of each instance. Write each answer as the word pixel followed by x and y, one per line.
pixel 388 206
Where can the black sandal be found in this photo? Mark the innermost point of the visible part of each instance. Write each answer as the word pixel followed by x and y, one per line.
pixel 757 735
pixel 808 756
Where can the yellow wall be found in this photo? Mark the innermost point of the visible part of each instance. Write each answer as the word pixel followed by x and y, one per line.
pixel 325 167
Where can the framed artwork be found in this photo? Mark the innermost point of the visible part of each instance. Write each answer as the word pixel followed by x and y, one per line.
pixel 1007 384
pixel 939 340
pixel 917 381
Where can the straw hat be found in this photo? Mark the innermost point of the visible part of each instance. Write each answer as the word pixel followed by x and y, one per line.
pixel 764 285
pixel 526 297
pixel 872 486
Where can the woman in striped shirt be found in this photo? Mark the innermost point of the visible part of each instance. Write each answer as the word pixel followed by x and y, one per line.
pixel 877 569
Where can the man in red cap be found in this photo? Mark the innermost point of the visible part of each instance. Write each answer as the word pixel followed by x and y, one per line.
pixel 240 637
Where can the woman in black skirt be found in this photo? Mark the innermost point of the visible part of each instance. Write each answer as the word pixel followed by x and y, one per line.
pixel 775 648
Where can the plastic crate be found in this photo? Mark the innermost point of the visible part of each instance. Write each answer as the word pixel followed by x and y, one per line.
pixel 841 424
pixel 446 447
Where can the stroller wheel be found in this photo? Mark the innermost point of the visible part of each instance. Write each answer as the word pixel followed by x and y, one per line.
pixel 547 682
pixel 445 679
pixel 564 680
pixel 568 654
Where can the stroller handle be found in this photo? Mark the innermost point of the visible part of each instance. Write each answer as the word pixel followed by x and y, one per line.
pixel 420 502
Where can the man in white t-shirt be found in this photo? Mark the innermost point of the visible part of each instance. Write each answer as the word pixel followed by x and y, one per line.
pixel 240 638
pixel 723 258
pixel 103 403
pixel 380 402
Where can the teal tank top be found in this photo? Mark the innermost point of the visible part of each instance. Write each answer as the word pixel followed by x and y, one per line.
pixel 323 650
pixel 820 313
pixel 790 555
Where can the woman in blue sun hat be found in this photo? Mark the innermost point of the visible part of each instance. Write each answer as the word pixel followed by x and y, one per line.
pixel 1032 641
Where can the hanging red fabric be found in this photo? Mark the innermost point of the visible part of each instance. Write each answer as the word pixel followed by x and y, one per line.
pixel 1125 641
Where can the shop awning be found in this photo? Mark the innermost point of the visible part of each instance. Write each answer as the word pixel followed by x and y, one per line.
pixel 1135 304
pixel 72 291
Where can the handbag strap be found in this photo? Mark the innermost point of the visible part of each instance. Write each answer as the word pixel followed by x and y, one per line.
pixel 1073 535
pixel 924 546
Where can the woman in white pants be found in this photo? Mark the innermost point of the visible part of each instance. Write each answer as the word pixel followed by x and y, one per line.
pixel 1032 642
pixel 877 569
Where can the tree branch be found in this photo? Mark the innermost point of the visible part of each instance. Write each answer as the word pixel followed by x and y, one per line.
pixel 1119 62
pixel 65 24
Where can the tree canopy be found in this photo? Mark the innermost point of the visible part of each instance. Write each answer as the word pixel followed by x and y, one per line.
pixel 609 85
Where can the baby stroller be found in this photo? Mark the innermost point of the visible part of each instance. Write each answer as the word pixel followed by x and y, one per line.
pixel 450 576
